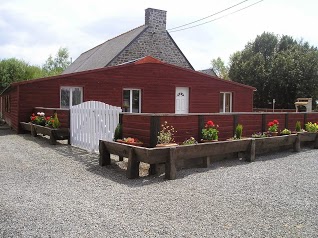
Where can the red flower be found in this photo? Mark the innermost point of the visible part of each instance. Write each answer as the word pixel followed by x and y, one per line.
pixel 48 118
pixel 210 123
pixel 276 122
pixel 271 123
pixel 33 115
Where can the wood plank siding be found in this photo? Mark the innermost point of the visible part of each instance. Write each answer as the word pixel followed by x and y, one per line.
pixel 157 82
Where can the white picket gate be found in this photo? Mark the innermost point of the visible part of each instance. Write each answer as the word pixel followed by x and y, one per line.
pixel 92 121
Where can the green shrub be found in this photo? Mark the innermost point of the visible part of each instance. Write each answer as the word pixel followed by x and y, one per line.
pixel 118 132
pixel 238 131
pixel 311 127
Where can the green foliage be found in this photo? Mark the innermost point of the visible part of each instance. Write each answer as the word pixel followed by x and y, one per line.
pixel 238 131
pixel 57 65
pixel 190 141
pixel 220 69
pixel 210 131
pixel 285 132
pixel 118 132
pixel 311 127
pixel 14 70
pixel 280 68
pixel 56 122
pixel 298 126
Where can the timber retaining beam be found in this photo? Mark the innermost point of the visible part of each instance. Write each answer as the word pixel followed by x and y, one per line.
pixel 54 134
pixel 205 152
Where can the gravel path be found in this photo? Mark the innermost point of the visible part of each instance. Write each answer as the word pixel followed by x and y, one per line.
pixel 60 191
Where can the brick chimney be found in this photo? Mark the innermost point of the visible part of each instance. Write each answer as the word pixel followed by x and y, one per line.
pixel 156 18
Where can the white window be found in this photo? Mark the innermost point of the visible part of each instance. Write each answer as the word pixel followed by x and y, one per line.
pixel 71 96
pixel 225 102
pixel 132 100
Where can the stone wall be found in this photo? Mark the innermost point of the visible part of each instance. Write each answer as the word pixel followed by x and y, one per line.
pixel 154 41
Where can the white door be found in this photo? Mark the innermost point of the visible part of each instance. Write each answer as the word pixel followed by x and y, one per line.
pixel 182 100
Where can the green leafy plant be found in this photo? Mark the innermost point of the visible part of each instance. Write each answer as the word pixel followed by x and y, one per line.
pixel 56 122
pixel 238 131
pixel 298 126
pixel 285 132
pixel 190 141
pixel 52 121
pixel 118 132
pixel 273 126
pixel 38 119
pixel 166 135
pixel 311 127
pixel 210 131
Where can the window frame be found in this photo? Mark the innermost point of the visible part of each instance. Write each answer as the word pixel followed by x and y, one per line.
pixel 71 95
pixel 224 102
pixel 130 98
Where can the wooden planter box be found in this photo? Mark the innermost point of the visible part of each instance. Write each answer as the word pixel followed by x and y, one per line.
pixel 54 134
pixel 205 151
pixel 170 155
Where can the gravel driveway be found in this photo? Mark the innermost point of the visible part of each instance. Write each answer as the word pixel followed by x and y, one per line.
pixel 60 191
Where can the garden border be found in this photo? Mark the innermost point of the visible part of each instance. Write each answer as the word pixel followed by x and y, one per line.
pixel 248 148
pixel 54 133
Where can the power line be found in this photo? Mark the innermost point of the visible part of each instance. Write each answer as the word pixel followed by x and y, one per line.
pixel 208 16
pixel 217 18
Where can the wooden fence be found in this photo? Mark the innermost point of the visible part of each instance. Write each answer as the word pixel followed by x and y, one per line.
pixel 145 126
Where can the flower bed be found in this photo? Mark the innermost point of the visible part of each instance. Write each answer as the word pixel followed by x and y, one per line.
pixel 205 152
pixel 54 133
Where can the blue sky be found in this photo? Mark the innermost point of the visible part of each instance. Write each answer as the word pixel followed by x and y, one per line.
pixel 34 29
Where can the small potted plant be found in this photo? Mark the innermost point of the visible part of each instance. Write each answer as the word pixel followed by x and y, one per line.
pixel 52 121
pixel 259 135
pixel 311 127
pixel 298 127
pixel 273 127
pixel 238 132
pixel 210 132
pixel 190 141
pixel 38 119
pixel 166 136
pixel 285 132
pixel 130 141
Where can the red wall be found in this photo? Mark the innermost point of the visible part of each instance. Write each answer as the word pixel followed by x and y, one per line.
pixel 136 125
pixel 156 81
pixel 62 114
pixel 11 116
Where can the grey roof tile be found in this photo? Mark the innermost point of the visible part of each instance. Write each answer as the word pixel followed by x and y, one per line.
pixel 101 55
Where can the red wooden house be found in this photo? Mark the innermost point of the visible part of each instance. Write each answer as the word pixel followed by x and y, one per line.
pixel 146 85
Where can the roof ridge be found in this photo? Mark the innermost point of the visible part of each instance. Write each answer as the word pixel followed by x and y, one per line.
pixel 114 38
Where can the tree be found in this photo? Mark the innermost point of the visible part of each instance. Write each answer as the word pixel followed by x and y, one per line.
pixel 220 69
pixel 57 65
pixel 14 70
pixel 280 68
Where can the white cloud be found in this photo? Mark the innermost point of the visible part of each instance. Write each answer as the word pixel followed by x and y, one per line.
pixel 34 29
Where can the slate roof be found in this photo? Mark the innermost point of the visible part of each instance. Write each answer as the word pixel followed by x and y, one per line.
pixel 101 55
pixel 208 72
